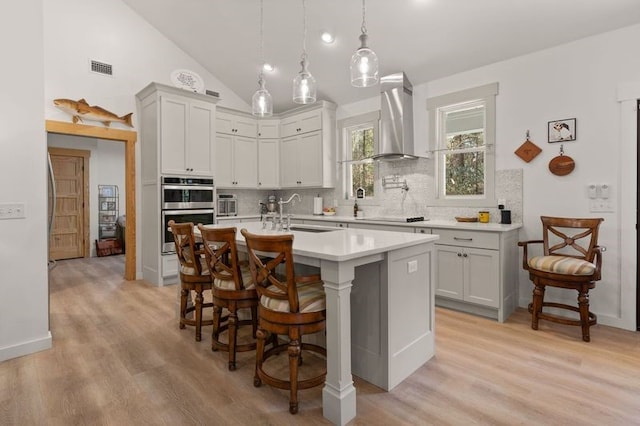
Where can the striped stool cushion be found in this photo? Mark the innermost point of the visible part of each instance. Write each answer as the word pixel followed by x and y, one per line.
pixel 187 270
pixel 562 265
pixel 228 284
pixel 310 295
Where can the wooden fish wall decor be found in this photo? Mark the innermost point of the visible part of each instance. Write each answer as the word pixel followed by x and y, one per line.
pixel 81 110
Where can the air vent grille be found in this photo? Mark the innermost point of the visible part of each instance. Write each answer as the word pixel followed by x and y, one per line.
pixel 101 68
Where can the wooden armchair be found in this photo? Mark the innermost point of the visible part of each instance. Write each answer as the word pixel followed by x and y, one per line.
pixel 290 305
pixel 194 275
pixel 233 289
pixel 572 259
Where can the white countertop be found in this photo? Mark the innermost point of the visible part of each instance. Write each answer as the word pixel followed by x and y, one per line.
pixel 341 243
pixel 432 223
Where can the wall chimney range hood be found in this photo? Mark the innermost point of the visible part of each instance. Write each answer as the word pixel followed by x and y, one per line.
pixel 396 119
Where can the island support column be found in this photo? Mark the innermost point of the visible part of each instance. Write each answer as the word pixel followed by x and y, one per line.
pixel 338 394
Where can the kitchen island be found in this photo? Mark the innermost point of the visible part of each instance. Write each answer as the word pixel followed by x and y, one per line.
pixel 379 287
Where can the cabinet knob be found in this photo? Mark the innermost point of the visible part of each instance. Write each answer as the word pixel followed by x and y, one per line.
pixel 464 255
pixel 459 254
pixel 259 183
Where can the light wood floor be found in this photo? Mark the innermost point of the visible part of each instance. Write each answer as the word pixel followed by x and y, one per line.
pixel 118 358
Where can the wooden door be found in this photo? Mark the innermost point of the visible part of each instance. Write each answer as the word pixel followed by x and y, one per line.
pixel 69 236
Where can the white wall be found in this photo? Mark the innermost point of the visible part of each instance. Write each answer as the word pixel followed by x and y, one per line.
pixel 580 80
pixel 106 167
pixel 24 296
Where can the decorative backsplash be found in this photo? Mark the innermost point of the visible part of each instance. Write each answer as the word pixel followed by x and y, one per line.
pixel 394 201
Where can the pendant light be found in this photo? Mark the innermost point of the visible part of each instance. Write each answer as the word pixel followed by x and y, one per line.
pixel 304 84
pixel 364 63
pixel 261 103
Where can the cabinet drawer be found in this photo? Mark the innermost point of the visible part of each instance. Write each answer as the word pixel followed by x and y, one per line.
pixel 169 265
pixel 490 240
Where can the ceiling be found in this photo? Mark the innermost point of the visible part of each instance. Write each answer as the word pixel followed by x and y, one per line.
pixel 427 39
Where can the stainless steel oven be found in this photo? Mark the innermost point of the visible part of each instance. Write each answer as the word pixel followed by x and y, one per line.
pixel 196 216
pixel 187 193
pixel 185 199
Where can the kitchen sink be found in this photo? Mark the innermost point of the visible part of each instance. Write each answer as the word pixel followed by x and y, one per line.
pixel 310 229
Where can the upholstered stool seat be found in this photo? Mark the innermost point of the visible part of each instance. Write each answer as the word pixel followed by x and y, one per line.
pixel 562 265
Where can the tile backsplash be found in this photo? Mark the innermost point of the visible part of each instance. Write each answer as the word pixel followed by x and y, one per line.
pixel 393 201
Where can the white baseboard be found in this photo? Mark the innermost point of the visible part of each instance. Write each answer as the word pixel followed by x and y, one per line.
pixel 26 348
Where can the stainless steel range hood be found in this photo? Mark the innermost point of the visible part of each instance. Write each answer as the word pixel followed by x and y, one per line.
pixel 396 118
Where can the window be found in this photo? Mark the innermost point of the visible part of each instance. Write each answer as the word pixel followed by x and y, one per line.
pixel 462 132
pixel 360 139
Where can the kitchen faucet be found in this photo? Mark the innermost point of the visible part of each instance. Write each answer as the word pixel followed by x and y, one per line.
pixel 281 203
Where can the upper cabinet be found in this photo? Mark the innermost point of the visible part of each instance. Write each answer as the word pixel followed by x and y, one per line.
pixel 231 123
pixel 236 156
pixel 300 123
pixel 293 150
pixel 177 132
pixel 308 151
pixel 268 129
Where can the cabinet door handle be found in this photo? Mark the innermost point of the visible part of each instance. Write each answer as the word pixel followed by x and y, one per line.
pixel 462 239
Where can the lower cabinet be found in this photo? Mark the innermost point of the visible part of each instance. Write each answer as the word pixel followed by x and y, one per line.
pixel 468 274
pixel 476 272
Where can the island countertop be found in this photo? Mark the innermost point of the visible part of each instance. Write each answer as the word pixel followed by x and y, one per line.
pixel 337 244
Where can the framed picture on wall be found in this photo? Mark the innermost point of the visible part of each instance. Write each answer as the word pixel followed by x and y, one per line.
pixel 562 130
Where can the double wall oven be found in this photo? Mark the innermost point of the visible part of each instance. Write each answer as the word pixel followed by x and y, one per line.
pixel 185 200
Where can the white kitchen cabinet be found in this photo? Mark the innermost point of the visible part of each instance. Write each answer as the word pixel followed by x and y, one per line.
pixel 186 135
pixel 476 271
pixel 237 124
pixel 301 123
pixel 268 163
pixel 307 147
pixel 268 128
pixel 236 161
pixel 302 161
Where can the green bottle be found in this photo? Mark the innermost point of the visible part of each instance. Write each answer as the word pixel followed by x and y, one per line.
pixel 355 209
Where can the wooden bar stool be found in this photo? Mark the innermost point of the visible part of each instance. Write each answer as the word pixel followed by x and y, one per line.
pixel 233 289
pixel 194 276
pixel 572 259
pixel 290 305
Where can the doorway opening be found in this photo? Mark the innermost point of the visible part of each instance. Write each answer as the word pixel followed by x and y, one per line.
pixel 129 139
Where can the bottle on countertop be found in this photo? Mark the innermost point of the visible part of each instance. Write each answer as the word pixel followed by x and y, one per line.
pixel 355 209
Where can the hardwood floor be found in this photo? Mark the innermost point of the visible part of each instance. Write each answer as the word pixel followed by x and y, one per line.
pixel 118 358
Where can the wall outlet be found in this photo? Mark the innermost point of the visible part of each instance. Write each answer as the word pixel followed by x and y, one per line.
pixel 601 206
pixel 12 211
pixel 412 266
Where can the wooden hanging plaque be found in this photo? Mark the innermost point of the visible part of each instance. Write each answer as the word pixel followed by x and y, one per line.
pixel 528 151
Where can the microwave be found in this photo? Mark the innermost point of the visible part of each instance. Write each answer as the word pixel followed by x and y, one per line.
pixel 227 205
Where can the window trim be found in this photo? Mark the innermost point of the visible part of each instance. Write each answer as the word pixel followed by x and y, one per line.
pixel 435 106
pixel 358 121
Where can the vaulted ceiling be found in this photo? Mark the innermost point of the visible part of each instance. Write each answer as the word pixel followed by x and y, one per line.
pixel 427 39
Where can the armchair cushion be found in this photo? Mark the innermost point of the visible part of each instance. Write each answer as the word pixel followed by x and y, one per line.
pixel 562 265
pixel 310 295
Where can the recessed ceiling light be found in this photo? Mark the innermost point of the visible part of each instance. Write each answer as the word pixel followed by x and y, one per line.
pixel 327 37
pixel 267 67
